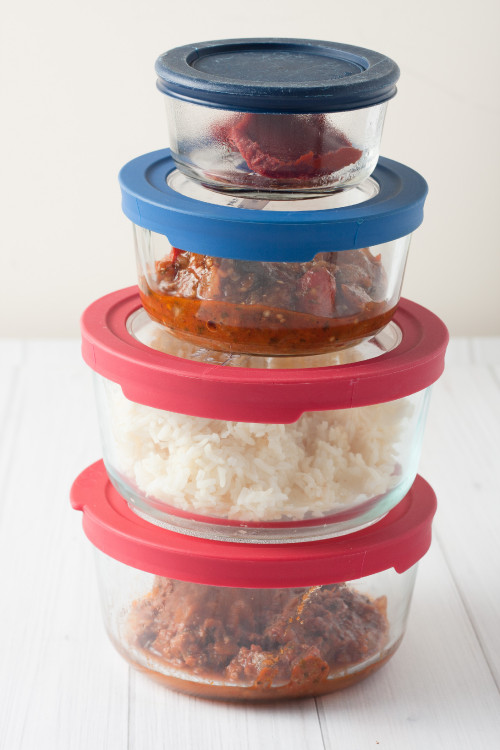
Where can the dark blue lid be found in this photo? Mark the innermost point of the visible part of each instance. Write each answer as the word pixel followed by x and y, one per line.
pixel 277 75
pixel 246 234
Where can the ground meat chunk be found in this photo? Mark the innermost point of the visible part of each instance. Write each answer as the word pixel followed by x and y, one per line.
pixel 259 637
pixel 298 664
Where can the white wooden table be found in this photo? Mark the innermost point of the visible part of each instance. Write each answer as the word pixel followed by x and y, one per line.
pixel 62 686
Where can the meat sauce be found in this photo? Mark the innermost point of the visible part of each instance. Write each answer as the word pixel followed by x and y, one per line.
pixel 259 643
pixel 288 147
pixel 269 308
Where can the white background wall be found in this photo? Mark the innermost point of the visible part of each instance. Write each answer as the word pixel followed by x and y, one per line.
pixel 79 100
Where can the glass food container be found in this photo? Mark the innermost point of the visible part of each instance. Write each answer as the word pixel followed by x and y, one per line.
pixel 248 623
pixel 276 115
pixel 255 449
pixel 267 277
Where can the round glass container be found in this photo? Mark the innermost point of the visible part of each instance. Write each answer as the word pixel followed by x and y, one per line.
pixel 255 449
pixel 257 276
pixel 243 622
pixel 281 116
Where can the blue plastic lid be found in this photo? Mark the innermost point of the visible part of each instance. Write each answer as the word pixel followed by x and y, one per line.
pixel 246 234
pixel 277 75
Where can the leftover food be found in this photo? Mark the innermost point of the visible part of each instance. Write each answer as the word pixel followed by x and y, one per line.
pixel 293 640
pixel 269 308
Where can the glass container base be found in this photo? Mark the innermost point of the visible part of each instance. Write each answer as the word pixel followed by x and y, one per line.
pixel 344 521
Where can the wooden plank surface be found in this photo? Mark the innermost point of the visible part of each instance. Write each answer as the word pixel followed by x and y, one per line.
pixel 436 692
pixel 62 686
pixel 461 459
pixel 486 350
pixel 57 689
pixel 165 719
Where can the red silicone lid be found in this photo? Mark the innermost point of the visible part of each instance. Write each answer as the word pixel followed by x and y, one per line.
pixel 244 394
pixel 398 541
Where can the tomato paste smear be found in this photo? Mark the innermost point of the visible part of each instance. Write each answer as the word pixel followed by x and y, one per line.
pixel 269 308
pixel 288 146
pixel 259 637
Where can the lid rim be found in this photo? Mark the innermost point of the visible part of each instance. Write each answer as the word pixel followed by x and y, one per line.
pixel 369 72
pixel 285 236
pixel 399 541
pixel 295 105
pixel 163 381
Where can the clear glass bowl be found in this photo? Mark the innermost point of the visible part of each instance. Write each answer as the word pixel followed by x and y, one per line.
pixel 273 153
pixel 326 474
pixel 260 449
pixel 270 308
pixel 244 622
pixel 254 644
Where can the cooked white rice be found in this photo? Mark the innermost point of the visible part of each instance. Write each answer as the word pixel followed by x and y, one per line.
pixel 323 463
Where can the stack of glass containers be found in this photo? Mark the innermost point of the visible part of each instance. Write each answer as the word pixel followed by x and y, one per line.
pixel 262 395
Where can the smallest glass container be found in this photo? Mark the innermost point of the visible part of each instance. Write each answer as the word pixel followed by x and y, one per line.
pixel 280 116
pixel 228 622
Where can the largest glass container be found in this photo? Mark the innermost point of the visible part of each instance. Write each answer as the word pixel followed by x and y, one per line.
pixel 253 449
pixel 270 277
pixel 243 622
